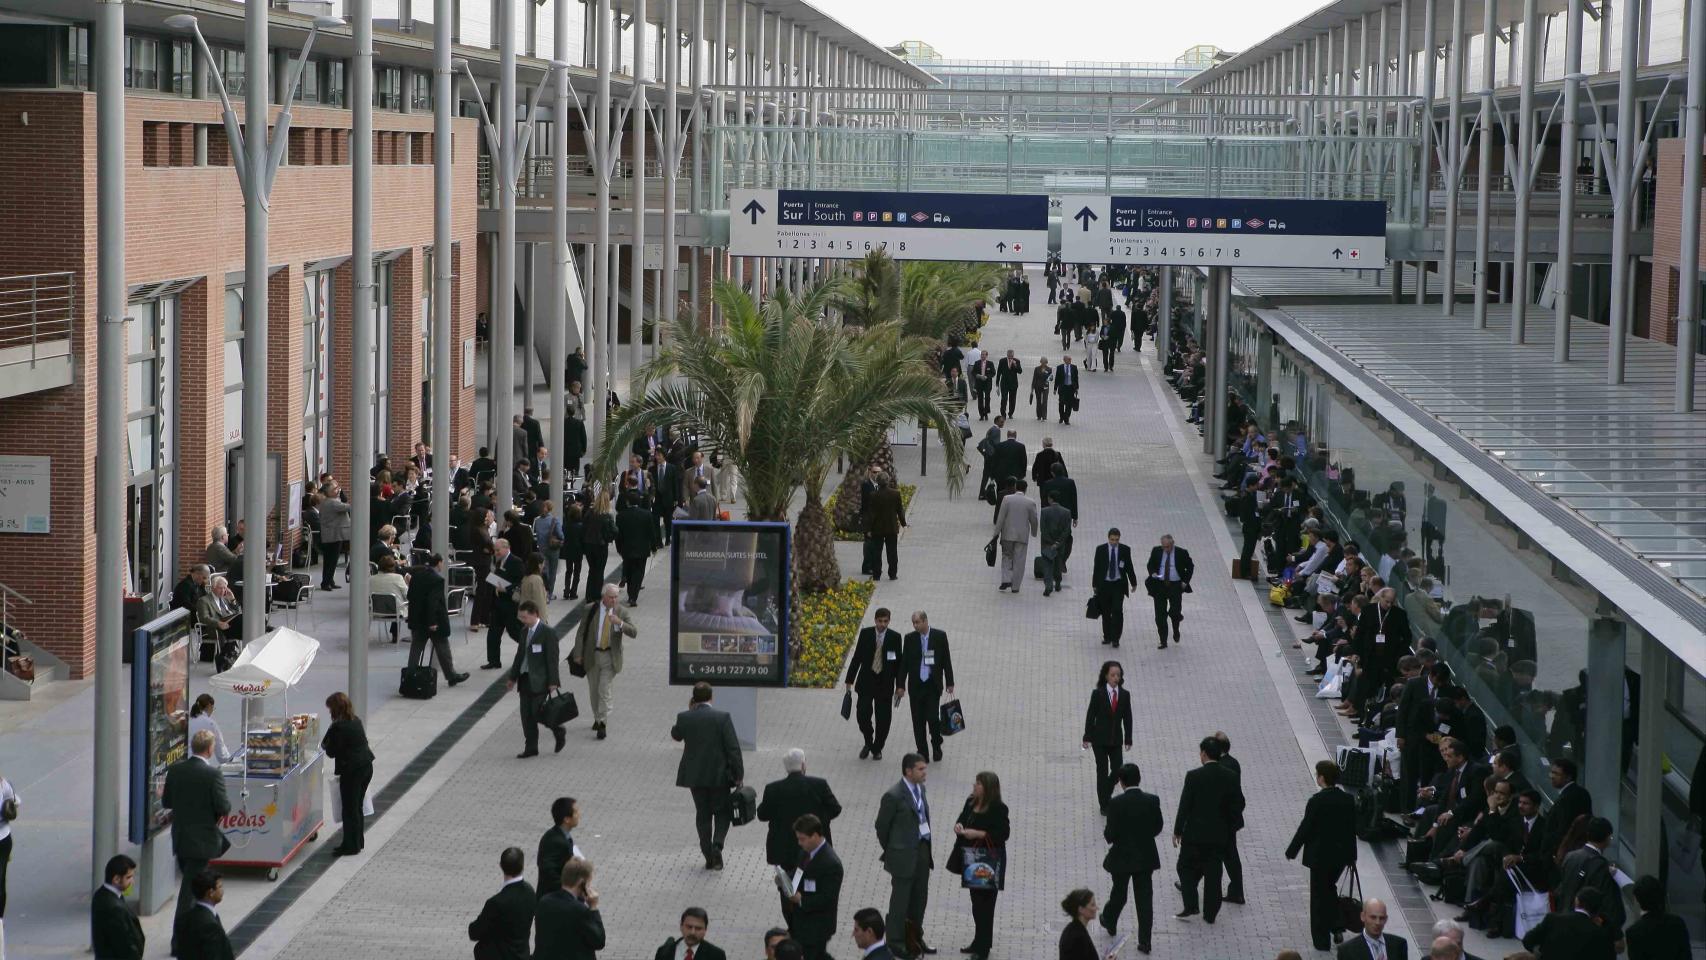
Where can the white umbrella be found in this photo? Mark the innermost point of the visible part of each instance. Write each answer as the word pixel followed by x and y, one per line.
pixel 272 664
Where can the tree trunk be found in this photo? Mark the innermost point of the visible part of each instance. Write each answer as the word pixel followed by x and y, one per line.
pixel 814 548
pixel 847 497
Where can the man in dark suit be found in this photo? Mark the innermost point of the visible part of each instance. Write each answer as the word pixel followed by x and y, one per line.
pixel 1134 821
pixel 429 618
pixel 903 832
pixel 203 935
pixel 927 665
pixel 692 943
pixel 666 493
pixel 872 674
pixel 1042 468
pixel 557 845
pixel 1456 798
pixel 645 443
pixel 508 566
pixel 1170 569
pixel 1009 459
pixel 983 384
pixel 1112 576
pixel 1382 636
pixel 1327 839
pixel 788 799
pixel 870 935
pixel 1574 934
pixel 566 923
pixel 534 674
pixel 1107 728
pixel 1064 490
pixel 817 894
pixel 1416 708
pixel 113 930
pixel 636 538
pixel 1374 943
pixel 873 547
pixel 1234 866
pixel 1573 800
pixel 1588 868
pixel 710 765
pixel 885 514
pixel 1054 524
pixel 1066 387
pixel 535 433
pixel 505 923
pixel 1211 804
pixel 1008 371
pixel 195 793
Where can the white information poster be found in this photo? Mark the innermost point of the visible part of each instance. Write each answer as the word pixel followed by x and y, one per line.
pixel 26 494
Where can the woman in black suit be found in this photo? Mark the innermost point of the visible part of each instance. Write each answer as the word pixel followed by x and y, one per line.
pixel 1327 837
pixel 982 823
pixel 346 742
pixel 1075 940
pixel 1107 728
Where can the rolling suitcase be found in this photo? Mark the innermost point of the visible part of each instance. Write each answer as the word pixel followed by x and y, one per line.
pixel 420 682
pixel 1036 568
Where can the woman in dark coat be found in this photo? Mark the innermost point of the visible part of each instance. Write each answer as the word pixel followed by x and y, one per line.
pixel 346 743
pixel 1327 838
pixel 569 555
pixel 479 541
pixel 983 823
pixel 1075 941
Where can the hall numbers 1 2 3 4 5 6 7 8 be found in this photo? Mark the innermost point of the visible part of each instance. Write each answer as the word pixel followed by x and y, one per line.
pixel 808 244
pixel 1181 251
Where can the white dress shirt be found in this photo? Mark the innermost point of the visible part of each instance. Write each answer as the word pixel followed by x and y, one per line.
pixel 203 721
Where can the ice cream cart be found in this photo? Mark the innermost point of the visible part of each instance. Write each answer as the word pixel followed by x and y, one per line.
pixel 274 782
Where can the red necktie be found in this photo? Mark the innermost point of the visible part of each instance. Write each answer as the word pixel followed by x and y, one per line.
pixel 689 953
pixel 1114 702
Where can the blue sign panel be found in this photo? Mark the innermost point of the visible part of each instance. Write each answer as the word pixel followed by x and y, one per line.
pixel 1224 231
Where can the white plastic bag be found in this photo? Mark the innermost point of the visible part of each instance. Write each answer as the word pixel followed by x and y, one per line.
pixel 1332 685
pixel 335 812
pixel 1531 905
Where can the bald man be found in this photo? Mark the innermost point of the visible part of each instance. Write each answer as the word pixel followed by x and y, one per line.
pixel 1374 943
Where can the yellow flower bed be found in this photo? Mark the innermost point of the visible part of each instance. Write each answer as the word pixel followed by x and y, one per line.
pixel 858 536
pixel 827 626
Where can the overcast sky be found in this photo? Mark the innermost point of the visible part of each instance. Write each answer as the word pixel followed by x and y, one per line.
pixel 1062 30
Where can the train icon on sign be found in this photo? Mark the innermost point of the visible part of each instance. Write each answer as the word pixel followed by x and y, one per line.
pixel 1254 223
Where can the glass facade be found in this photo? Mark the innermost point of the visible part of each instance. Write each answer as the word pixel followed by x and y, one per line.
pixel 150 404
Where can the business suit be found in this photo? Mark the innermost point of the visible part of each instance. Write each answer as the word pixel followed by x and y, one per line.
pixel 785 801
pixel 1587 867
pixel 903 832
pixel 885 514
pixel 510 568
pixel 873 672
pixel 666 494
pixel 1055 524
pixel 1008 460
pixel 1573 935
pixel 1015 525
pixel 1107 729
pixel 1076 942
pixel 1234 865
pixel 702 506
pixel 505 923
pixel 710 765
pixel 1066 388
pixel 1416 712
pixel 114 931
pixel 195 793
pixel 1573 801
pixel 1169 581
pixel 599 650
pixel 203 936
pixel 1327 839
pixel 706 950
pixel 1042 467
pixel 1113 576
pixel 565 928
pixel 636 538
pixel 534 672
pixel 429 619
pixel 1064 491
pixel 556 848
pixel 923 675
pixel 1211 805
pixel 1356 947
pixel 1041 376
pixel 982 384
pixel 1134 821
pixel 812 921
pixel 1382 637
pixel 1007 373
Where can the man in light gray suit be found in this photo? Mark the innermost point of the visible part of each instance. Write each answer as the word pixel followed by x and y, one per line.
pixel 1015 525
pixel 710 765
pixel 1056 525
pixel 903 830
pixel 702 505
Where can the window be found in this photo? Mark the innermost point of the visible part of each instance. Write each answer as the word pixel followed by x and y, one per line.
pixel 388 88
pixel 142 63
pixel 183 68
pixel 231 71
pixel 26 55
pixel 316 372
pixel 308 90
pixel 74 66
pixel 420 91
pixel 381 362
pixel 149 404
pixel 335 84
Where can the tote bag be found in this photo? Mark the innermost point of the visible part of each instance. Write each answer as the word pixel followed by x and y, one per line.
pixel 1531 905
pixel 336 810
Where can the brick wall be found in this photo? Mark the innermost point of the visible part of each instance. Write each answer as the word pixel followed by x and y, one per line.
pixel 186 222
pixel 1667 242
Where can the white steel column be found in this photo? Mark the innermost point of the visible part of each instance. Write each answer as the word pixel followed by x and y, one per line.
pixel 1688 284
pixel 1453 162
pixel 1567 146
pixel 1483 186
pixel 669 303
pixel 597 393
pixel 1425 64
pixel 500 393
pixel 1524 175
pixel 638 114
pixel 1629 143
pixel 444 381
pixel 362 341
pixel 557 314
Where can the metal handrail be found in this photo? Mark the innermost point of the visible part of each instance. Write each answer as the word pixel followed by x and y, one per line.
pixel 35 308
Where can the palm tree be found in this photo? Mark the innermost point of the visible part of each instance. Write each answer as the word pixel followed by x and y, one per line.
pixel 872 295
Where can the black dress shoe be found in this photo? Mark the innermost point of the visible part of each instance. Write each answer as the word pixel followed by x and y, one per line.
pixel 936 754
pixel 341 852
pixel 1182 914
pixel 876 754
pixel 1237 900
pixel 864 751
pixel 601 732
pixel 456 678
pixel 925 948
pixel 491 666
pixel 523 755
pixel 562 738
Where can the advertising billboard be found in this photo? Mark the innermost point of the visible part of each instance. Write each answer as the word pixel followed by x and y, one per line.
pixel 728 621
pixel 159 715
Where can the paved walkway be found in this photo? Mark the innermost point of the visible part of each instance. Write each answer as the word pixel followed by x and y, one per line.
pixel 1026 667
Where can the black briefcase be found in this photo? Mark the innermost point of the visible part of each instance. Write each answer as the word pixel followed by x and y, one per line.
pixel 1037 568
pixel 557 710
pixel 743 806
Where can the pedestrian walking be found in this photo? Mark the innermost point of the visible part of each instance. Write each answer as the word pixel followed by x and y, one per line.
pixel 1055 526
pixel 1008 370
pixel 429 617
pixel 1208 805
pixel 786 800
pixel 1170 569
pixel 1327 840
pixel 872 674
pixel 710 766
pixel 1134 821
pixel 927 665
pixel 1015 525
pixel 505 923
pixel 1041 377
pixel 533 674
pixel 1066 388
pixel 566 923
pixel 1113 576
pixel 1107 728
pixel 598 652
pixel 195 793
pixel 812 907
pixel 557 845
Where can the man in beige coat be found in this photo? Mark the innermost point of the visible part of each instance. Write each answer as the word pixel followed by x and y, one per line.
pixel 598 649
pixel 1015 525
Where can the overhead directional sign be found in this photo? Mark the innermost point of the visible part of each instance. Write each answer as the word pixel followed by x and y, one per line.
pixel 1223 231
pixel 848 224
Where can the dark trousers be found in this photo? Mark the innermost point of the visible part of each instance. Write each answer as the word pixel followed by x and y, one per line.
pixel 1109 756
pixel 187 868
pixel 1323 904
pixel 1051 560
pixel 871 563
pixel 1247 552
pixel 1067 399
pixel 502 614
pixel 1009 401
pixel 597 558
pixel 569 558
pixel 1169 602
pixel 890 544
pixel 1111 600
pixel 329 562
pixel 352 787
pixel 418 640
pixel 711 818
pixel 983 919
pixel 666 521
pixel 1201 862
pixel 1143 897
pixel 926 713
pixel 634 574
pixel 1066 336
pixel 5 860
pixel 909 895
pixel 983 399
pixel 530 721
pixel 1108 348
pixel 1234 869
pixel 1042 405
pixel 883 705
